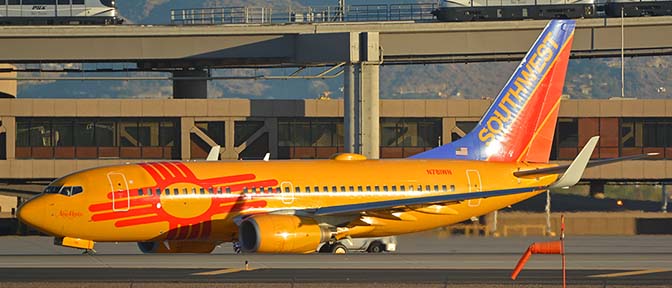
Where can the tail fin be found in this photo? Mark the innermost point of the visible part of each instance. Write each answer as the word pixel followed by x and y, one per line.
pixel 520 123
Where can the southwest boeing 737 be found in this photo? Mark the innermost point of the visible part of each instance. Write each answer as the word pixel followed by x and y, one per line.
pixel 295 206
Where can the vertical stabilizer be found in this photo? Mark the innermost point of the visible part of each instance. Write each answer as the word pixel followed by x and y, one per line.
pixel 520 123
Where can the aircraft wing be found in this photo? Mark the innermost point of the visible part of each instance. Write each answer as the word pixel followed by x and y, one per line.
pixel 380 205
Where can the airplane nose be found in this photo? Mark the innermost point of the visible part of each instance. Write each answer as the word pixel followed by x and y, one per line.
pixel 32 213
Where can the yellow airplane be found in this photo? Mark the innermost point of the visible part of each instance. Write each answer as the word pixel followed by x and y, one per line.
pixel 295 206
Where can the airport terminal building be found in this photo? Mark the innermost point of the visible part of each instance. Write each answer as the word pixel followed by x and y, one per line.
pixel 44 139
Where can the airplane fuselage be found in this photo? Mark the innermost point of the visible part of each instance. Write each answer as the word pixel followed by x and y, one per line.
pixel 203 200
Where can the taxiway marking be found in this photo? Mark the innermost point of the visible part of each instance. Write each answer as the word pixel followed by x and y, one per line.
pixel 629 273
pixel 220 272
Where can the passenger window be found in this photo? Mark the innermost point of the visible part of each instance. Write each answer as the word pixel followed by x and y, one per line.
pixel 410 188
pixel 452 188
pixel 351 188
pixel 211 191
pixel 277 190
pixel 244 190
pixel 76 190
pixel 385 188
pixel 228 190
pixel 202 190
pixel 317 189
pixel 394 188
pixel 176 191
pixel 167 191
pixel 402 188
pixel 307 189
pixel 219 190
pixel 287 189
pixel 149 191
pixel 342 188
pixel 158 191
pixel 368 188
pixel 334 189
pixel 444 188
pixel 419 188
pixel 376 188
pixel 185 191
pixel 193 190
pixel 436 188
pixel 297 190
pixel 140 192
pixel 428 188
pixel 359 188
pixel 325 189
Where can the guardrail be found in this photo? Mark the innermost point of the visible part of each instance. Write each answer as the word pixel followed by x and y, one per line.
pixel 420 12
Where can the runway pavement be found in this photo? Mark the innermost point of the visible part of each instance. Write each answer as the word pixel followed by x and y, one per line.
pixel 593 261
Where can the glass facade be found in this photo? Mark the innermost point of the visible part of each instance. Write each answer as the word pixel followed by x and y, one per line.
pixel 309 138
pixel 306 137
pixel 618 137
pixel 97 138
pixel 319 138
pixel 404 137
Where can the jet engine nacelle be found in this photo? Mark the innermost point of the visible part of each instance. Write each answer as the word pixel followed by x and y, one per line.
pixel 281 234
pixel 173 246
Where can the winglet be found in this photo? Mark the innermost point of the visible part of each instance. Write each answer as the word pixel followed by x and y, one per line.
pixel 267 157
pixel 575 170
pixel 214 153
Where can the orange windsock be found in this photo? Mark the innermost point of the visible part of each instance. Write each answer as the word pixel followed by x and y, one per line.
pixel 554 247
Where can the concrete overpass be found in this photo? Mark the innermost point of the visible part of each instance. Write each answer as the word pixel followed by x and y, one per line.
pixel 226 46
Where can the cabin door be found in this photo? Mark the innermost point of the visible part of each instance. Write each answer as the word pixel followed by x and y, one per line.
pixel 474 180
pixel 287 193
pixel 121 200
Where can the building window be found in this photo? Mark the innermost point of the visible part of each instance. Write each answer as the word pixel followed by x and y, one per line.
pixel 404 137
pixel 92 138
pixel 309 138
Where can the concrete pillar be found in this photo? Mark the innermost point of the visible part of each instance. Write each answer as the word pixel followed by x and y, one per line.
pixel 186 123
pixel 349 108
pixel 8 88
pixel 9 125
pixel 369 93
pixel 272 126
pixel 229 146
pixel 190 88
pixel 597 189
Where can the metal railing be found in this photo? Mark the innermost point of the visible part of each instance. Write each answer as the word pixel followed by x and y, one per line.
pixel 420 12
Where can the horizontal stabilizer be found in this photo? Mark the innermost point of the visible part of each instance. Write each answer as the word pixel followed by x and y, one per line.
pixel 562 168
pixel 575 170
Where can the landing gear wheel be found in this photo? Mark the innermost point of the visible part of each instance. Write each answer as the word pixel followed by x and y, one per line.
pixel 236 247
pixel 375 247
pixel 89 252
pixel 339 248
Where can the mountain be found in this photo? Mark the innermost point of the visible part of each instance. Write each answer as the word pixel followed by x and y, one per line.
pixel 646 77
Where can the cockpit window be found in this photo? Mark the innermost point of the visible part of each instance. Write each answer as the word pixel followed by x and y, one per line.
pixel 64 190
pixel 52 189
